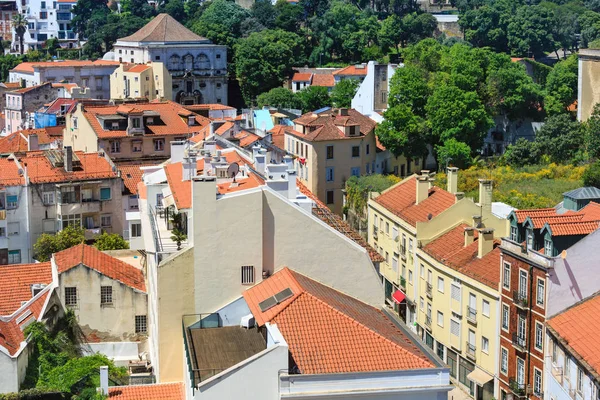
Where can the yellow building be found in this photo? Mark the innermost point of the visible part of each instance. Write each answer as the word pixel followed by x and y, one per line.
pixel 136 81
pixel 412 215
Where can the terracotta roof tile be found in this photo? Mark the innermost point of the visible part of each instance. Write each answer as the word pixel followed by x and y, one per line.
pixel 17 142
pixel 208 106
pixel 55 107
pixel 573 228
pixel 221 130
pixel 330 332
pixel 352 70
pixel 401 198
pixel 246 138
pixel 579 327
pixel 137 68
pixel 102 263
pixel 539 222
pixel 16 281
pixel 30 66
pixel 171 121
pixel 326 80
pixel 163 28
pixel 93 166
pixel 302 77
pixel 157 391
pixel 131 175
pixel 321 211
pixel 591 212
pixel 10 173
pixel 539 212
pixel 449 249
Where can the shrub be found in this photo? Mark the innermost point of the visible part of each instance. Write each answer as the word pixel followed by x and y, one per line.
pixel 591 176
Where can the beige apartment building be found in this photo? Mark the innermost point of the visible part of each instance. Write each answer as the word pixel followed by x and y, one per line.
pixel 329 147
pixel 135 132
pixel 141 81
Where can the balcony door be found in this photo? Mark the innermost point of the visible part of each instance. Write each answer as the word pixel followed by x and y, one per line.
pixel 520 372
pixel 523 284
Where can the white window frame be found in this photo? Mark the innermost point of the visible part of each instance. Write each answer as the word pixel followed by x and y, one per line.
pixel 485 303
pixel 539 328
pixel 506 266
pixel 503 361
pixel 136 228
pixel 537 292
pixel 106 295
pixel 48 198
pixel 440 282
pixel 537 374
pixel 485 345
pixel 440 317
pixel 102 219
pixel 422 271
pixel 522 381
pixel 505 307
pixel 422 304
pixel 525 273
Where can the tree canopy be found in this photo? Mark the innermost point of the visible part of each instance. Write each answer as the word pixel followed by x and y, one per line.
pixel 48 244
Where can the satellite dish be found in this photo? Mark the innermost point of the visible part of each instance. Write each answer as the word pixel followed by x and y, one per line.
pixel 233 170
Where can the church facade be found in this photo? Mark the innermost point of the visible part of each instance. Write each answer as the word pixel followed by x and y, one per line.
pixel 197 66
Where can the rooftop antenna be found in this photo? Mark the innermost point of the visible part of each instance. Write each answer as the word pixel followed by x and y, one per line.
pixel 232 170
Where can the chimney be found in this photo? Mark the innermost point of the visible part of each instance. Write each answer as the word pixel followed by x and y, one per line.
pixel 343 112
pixel 459 196
pixel 452 180
pixel 33 142
pixel 485 241
pixel 485 194
pixel 68 158
pixel 189 167
pixel 292 190
pixel 210 146
pixel 289 161
pixel 422 188
pixel 260 161
pixel 104 380
pixel 177 151
pixel 476 221
pixel 469 236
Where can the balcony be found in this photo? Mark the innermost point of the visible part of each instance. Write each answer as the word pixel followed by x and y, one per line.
pixel 519 342
pixel 428 321
pixel 375 234
pixel 520 299
pixel 86 207
pixel 429 290
pixel 470 351
pixel 66 35
pixel 519 389
pixel 471 315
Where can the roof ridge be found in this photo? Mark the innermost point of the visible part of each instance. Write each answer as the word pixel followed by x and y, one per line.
pixel 373 332
pixel 575 305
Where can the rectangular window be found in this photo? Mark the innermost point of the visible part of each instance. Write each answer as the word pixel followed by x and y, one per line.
pixel 105 194
pixel 12 202
pixel 548 247
pixel 554 352
pixel 330 152
pixel 579 380
pixel 520 371
pixel 330 197
pixel 539 336
pixel 136 146
pixel 422 271
pixel 537 382
pixel 48 198
pixel 506 276
pixel 355 151
pixel 521 327
pixel 115 146
pixel 329 174
pixel 514 234
pixel 421 304
pixel 14 256
pixel 440 285
pixel 541 292
pixel 410 277
pixel 141 325
pixel 523 284
pixel 367 149
pixel 485 308
pixel 106 220
pixel 70 296
pixel 106 295
pixel 530 238
pixel 13 228
pixel 355 171
pixel 440 319
pixel 454 328
pixel 440 351
pixel 248 275
pixel 485 345
pixel 387 257
pixel 159 145
pixel 505 316
pixel 394 264
pixel 136 230
pixel 504 361
pixel 395 233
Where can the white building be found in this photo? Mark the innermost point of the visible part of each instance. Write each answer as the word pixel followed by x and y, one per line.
pixel 371 98
pixel 94 75
pixel 198 67
pixel 46 20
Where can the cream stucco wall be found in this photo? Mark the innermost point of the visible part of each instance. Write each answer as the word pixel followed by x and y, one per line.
pixel 154 82
pixel 78 132
pixel 108 323
pixel 588 83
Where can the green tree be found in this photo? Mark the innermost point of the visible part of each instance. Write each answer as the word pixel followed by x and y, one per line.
pixel 403 132
pixel 288 16
pixel 52 45
pixel 140 8
pixel 529 32
pixel 487 25
pixel 110 241
pixel 427 55
pixel 523 152
pixel 343 92
pixel 264 12
pixel 591 176
pixel 416 27
pixel 279 97
pixel 264 59
pixel 178 237
pixel 48 244
pixel 390 33
pixel 561 86
pixel 592 133
pixel 408 86
pixel 454 153
pixel 89 16
pixel 560 138
pixel 221 22
pixel 314 98
pixel 456 114
pixel 589 23
pixel 19 24
pixel 175 9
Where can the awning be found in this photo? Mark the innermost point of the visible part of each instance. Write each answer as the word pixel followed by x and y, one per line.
pixel 480 377
pixel 398 296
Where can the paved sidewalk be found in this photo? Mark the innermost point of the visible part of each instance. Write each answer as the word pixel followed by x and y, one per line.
pixel 458 394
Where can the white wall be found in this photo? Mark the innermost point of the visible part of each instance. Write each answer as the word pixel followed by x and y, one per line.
pixel 363 100
pixel 20 215
pixel 9 376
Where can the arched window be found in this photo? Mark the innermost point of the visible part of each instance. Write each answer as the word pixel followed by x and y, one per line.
pixel 188 62
pixel 174 62
pixel 202 61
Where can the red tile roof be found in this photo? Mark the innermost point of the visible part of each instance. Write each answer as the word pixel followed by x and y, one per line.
pixel 573 229
pixel 12 85
pixel 56 105
pixel 11 331
pixel 352 70
pixel 157 391
pixel 328 125
pixel 10 173
pixel 329 332
pixel 591 212
pixel 224 128
pixel 326 80
pixel 321 211
pixel 93 166
pixel 138 68
pixel 100 262
pixel 172 121
pixel 17 142
pixel 401 198
pixel 579 327
pixel 378 144
pixel 539 222
pixel 302 77
pixel 16 281
pixel 211 107
pixel 30 88
pixel 246 138
pixel 29 66
pixel 539 212
pixel 449 249
pixel 131 175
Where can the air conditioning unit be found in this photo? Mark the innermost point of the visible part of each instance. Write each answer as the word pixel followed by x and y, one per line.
pixel 247 321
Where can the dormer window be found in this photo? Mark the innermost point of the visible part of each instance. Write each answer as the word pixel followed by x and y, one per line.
pixel 530 238
pixel 191 120
pixel 150 120
pixel 548 247
pixel 136 123
pixel 115 125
